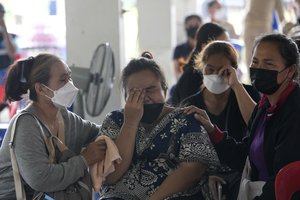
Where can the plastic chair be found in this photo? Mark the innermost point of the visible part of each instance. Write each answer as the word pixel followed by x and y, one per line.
pixel 287 181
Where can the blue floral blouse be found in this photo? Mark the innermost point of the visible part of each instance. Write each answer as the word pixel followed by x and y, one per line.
pixel 176 138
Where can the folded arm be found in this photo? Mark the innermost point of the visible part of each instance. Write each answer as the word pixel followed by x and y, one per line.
pixel 181 179
pixel 242 96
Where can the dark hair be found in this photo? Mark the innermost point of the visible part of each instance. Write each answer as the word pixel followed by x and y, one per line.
pixel 217 47
pixel 194 16
pixel 206 33
pixel 286 46
pixel 145 62
pixel 212 3
pixel 23 74
pixel 2 10
pixel 297 41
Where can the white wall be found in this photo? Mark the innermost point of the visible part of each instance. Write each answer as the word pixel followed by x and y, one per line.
pixel 89 23
pixel 161 28
pixel 156 27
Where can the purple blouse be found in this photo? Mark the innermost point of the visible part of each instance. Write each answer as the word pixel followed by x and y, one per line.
pixel 256 154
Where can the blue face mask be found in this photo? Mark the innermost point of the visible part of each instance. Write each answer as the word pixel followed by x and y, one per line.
pixel 151 112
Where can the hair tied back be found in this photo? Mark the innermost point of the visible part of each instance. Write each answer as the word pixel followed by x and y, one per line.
pixel 147 54
pixel 26 66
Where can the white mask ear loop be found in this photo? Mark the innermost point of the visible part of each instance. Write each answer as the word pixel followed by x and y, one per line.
pixel 48 89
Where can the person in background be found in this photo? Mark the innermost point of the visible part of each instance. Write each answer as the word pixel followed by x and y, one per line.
pixel 7 47
pixel 217 60
pixel 190 81
pixel 182 51
pixel 274 126
pixel 165 153
pixel 216 14
pixel 48 80
pixel 7 55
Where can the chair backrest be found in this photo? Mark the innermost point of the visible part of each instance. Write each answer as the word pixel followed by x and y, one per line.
pixel 287 181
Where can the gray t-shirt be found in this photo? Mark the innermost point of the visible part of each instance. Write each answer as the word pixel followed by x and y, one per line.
pixel 32 156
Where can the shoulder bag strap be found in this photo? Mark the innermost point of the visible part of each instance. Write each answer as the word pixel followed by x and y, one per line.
pixel 61 127
pixel 47 140
pixel 20 191
pixel 51 140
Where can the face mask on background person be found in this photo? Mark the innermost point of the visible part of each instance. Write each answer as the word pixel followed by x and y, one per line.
pixel 151 112
pixel 64 96
pixel 265 80
pixel 191 31
pixel 215 84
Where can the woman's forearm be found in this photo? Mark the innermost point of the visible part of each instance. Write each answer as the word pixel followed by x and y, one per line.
pixel 245 102
pixel 125 143
pixel 181 179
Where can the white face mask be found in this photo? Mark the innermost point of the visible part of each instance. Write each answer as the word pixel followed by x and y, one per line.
pixel 215 84
pixel 64 96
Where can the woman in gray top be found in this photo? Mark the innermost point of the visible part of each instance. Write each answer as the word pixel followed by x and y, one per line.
pixel 51 91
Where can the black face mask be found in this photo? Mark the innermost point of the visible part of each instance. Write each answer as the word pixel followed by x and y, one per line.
pixel 151 112
pixel 191 32
pixel 265 80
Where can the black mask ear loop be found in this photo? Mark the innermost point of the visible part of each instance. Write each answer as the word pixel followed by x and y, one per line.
pixel 285 76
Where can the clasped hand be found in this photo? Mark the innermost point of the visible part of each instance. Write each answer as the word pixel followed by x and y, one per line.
pixel 94 152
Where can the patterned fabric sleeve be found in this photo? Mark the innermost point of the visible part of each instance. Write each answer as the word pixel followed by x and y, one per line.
pixel 112 124
pixel 195 145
